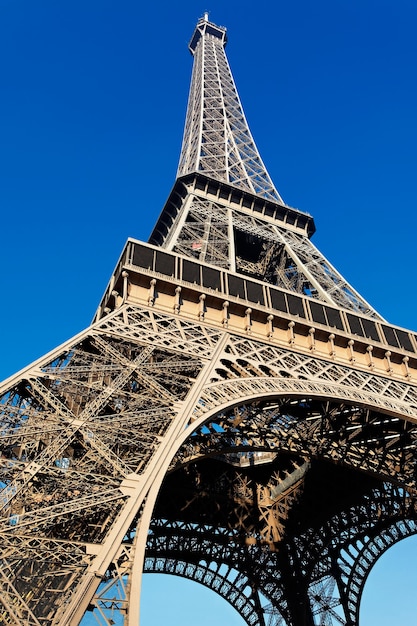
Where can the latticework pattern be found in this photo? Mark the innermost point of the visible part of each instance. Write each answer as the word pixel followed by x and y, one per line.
pixel 237 414
pixel 90 431
pixel 217 139
pixel 221 236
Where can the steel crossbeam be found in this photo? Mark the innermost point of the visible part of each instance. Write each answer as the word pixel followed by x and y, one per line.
pixel 237 414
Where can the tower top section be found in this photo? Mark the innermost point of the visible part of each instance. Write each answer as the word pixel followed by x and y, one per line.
pixel 217 141
pixel 204 27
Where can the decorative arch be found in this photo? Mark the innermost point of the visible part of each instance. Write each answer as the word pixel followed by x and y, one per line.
pixel 232 586
pixel 368 555
pixel 308 419
pixel 295 401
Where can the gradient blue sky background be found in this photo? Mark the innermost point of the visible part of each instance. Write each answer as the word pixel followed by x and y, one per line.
pixel 92 106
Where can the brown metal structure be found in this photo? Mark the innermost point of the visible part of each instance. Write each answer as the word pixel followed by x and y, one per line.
pixel 236 414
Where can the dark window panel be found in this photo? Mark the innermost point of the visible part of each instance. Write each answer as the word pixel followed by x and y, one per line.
pixel 334 318
pixel 182 191
pixel 278 300
pixel 211 278
pixel 190 272
pixel 317 313
pixel 404 340
pixel 165 263
pixel 370 330
pixel 390 336
pixel 355 325
pixel 255 293
pixel 280 214
pixel 143 257
pixel 295 305
pixel 236 286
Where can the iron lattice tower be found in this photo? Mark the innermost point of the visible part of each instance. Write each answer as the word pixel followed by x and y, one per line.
pixel 236 414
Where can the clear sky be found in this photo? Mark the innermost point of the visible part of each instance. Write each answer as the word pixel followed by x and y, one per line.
pixel 92 105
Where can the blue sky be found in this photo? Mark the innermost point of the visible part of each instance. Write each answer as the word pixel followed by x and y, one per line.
pixel 93 99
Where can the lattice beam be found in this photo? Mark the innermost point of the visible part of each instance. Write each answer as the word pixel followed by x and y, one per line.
pixel 217 139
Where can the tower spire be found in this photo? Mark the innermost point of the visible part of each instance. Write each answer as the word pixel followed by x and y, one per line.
pixel 224 209
pixel 217 140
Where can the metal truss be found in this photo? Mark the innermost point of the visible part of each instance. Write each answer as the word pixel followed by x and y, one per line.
pixel 231 585
pixel 78 429
pixel 84 427
pixel 314 573
pixel 206 233
pixel 217 234
pixel 268 453
pixel 217 139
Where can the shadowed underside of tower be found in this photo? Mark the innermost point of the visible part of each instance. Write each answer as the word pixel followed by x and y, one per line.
pixel 237 414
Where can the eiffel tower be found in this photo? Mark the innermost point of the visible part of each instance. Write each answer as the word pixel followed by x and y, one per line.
pixel 236 414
